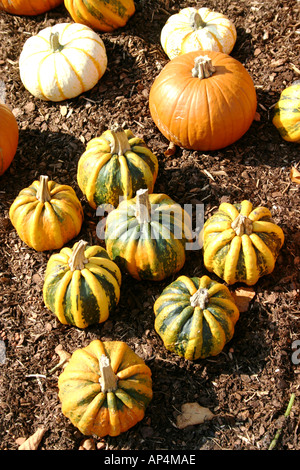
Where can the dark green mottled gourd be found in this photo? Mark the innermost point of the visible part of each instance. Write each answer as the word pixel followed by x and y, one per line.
pixel 195 317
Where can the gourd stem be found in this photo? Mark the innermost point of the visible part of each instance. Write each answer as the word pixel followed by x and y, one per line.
pixel 203 67
pixel 200 298
pixel 54 42
pixel 143 206
pixel 120 143
pixel 108 379
pixel 242 225
pixel 77 260
pixel 43 193
pixel 197 21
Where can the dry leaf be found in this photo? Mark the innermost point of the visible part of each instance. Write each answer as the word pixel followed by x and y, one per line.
pixel 193 413
pixel 242 297
pixel 256 116
pixel 20 440
pixel 64 356
pixel 33 441
pixel 295 175
pixel 170 150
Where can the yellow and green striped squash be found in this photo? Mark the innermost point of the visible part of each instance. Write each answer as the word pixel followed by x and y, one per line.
pixel 146 236
pixel 287 113
pixel 114 166
pixel 81 285
pixel 105 388
pixel 46 215
pixel 241 243
pixel 195 317
pixel 102 15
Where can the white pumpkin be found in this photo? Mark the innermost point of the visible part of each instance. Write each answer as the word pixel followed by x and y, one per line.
pixel 62 61
pixel 195 29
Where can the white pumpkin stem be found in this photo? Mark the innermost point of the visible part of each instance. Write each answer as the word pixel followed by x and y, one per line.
pixel 43 193
pixel 120 143
pixel 197 21
pixel 108 379
pixel 242 225
pixel 143 206
pixel 77 259
pixel 200 298
pixel 54 42
pixel 203 67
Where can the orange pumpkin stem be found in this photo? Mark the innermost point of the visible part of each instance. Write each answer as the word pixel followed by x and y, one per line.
pixel 203 67
pixel 43 193
pixel 108 379
pixel 54 42
pixel 200 298
pixel 120 143
pixel 143 207
pixel 77 260
pixel 197 21
pixel 242 225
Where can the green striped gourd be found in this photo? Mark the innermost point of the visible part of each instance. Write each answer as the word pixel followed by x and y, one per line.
pixel 241 243
pixel 287 113
pixel 115 165
pixel 105 388
pixel 146 236
pixel 195 317
pixel 82 285
pixel 102 15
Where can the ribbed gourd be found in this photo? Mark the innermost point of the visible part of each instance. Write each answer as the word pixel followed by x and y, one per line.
pixel 105 388
pixel 203 100
pixel 28 7
pixel 194 29
pixel 62 61
pixel 147 235
pixel 114 166
pixel 102 15
pixel 287 113
pixel 81 285
pixel 241 243
pixel 9 137
pixel 46 215
pixel 195 317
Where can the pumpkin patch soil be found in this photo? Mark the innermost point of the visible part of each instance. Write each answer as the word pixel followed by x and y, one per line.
pixel 249 384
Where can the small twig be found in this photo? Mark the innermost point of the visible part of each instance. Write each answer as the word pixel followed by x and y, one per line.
pixel 60 364
pixel 37 377
pixel 286 414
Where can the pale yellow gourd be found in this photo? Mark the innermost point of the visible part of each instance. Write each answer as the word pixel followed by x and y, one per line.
pixel 193 29
pixel 62 61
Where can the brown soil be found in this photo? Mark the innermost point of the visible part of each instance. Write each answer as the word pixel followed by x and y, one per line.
pixel 249 384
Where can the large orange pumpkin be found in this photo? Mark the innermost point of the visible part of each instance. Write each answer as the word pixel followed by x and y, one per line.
pixel 9 137
pixel 28 7
pixel 203 100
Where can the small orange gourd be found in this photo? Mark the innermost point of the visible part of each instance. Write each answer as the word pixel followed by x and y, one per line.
pixel 28 7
